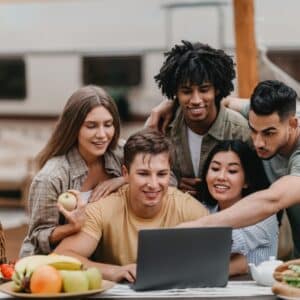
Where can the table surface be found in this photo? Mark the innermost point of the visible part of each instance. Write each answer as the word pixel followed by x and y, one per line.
pixel 177 297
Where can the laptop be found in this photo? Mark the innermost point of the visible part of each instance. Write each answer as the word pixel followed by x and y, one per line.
pixel 183 257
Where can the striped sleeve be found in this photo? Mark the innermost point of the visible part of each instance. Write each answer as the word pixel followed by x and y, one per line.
pixel 257 242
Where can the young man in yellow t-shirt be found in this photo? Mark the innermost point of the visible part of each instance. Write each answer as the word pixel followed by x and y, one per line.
pixel 112 224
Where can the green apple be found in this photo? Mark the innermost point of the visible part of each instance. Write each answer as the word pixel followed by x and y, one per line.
pixel 67 200
pixel 74 281
pixel 94 277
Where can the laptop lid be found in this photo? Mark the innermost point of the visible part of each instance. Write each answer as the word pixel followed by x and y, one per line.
pixel 183 257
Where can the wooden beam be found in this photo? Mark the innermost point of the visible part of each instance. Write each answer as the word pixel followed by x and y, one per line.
pixel 246 53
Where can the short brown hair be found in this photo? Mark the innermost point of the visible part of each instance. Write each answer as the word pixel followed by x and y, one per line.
pixel 146 141
pixel 65 134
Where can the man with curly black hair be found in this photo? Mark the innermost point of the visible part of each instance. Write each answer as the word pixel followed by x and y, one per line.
pixel 196 77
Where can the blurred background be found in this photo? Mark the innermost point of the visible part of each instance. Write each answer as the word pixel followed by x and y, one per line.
pixel 49 48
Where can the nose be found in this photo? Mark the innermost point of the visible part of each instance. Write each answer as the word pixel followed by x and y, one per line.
pixel 258 141
pixel 153 182
pixel 221 175
pixel 196 97
pixel 100 132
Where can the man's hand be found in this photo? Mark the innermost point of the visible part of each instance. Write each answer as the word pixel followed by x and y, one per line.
pixel 76 217
pixel 161 115
pixel 234 103
pixel 106 187
pixel 190 185
pixel 120 273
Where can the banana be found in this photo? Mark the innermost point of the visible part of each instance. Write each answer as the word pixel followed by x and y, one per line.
pixel 62 262
pixel 27 265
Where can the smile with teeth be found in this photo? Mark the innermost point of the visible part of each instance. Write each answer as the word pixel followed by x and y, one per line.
pixel 197 109
pixel 102 143
pixel 152 194
pixel 221 187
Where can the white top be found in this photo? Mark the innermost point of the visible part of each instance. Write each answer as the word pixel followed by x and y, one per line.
pixel 85 196
pixel 195 142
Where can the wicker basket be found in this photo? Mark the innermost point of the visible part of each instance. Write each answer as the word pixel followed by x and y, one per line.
pixel 2 246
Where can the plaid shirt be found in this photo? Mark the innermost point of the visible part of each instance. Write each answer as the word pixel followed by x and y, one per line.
pixel 228 125
pixel 58 175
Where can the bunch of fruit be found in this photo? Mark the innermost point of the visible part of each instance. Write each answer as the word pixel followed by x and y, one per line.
pixel 54 274
pixel 6 271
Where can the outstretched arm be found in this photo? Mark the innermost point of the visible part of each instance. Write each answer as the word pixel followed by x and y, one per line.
pixel 281 194
pixel 82 246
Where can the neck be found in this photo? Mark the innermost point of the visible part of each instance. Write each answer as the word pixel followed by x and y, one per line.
pixel 91 160
pixel 226 204
pixel 143 211
pixel 201 127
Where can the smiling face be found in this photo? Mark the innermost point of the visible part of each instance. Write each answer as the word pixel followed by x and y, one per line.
pixel 95 134
pixel 225 178
pixel 269 134
pixel 148 179
pixel 198 104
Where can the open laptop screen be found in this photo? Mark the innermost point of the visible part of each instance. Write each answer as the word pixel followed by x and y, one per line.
pixel 183 257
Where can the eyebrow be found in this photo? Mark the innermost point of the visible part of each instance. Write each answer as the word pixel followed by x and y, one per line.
pixel 264 130
pixel 163 170
pixel 230 164
pixel 104 121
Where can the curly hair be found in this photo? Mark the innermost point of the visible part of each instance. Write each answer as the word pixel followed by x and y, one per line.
pixel 196 63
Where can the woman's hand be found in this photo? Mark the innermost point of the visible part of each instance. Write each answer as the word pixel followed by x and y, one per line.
pixel 76 217
pixel 161 115
pixel 106 187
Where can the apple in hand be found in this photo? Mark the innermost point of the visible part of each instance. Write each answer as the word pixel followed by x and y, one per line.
pixel 67 200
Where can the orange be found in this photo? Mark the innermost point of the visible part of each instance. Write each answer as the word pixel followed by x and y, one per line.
pixel 45 279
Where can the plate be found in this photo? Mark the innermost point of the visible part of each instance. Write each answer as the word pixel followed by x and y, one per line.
pixel 7 289
pixel 287 298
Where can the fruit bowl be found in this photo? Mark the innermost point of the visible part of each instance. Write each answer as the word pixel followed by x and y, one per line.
pixel 7 289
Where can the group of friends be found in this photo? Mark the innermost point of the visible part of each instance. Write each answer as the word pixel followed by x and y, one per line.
pixel 203 159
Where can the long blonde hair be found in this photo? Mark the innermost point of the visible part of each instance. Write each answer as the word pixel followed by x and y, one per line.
pixel 65 134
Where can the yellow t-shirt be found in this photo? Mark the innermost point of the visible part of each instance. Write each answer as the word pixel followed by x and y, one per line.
pixel 111 222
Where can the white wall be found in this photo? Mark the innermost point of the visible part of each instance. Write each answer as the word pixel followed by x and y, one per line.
pixel 53 35
pixel 50 81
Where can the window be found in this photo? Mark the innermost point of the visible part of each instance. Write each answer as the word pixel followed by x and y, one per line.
pixel 287 60
pixel 12 79
pixel 112 70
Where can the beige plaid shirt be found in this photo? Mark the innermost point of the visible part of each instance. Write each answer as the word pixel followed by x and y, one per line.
pixel 59 174
pixel 228 125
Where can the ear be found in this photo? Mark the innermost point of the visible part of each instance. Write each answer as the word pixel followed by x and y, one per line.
pixel 125 172
pixel 293 122
pixel 245 186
